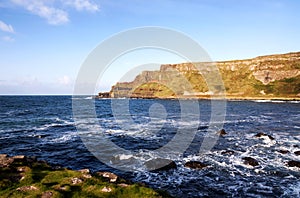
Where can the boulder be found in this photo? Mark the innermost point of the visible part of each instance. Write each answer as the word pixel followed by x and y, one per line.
pixel 76 180
pixel 159 164
pixel 293 163
pixel 195 165
pixel 106 189
pixel 111 176
pixel 250 161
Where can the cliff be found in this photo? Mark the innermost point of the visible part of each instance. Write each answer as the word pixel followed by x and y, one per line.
pixel 269 76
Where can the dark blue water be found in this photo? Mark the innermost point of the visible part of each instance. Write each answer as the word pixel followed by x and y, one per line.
pixel 44 126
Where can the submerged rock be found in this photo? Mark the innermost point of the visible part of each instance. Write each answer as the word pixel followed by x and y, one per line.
pixel 250 161
pixel 293 163
pixel 160 164
pixel 261 134
pixel 195 165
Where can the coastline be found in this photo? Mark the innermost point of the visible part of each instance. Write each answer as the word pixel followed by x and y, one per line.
pixel 216 97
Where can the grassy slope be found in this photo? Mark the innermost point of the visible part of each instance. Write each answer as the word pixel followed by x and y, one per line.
pixel 59 183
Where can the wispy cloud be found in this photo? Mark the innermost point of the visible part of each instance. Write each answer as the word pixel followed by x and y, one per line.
pixel 44 9
pixel 82 5
pixel 8 38
pixel 6 27
pixel 54 10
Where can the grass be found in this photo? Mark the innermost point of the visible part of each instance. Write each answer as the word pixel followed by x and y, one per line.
pixel 39 176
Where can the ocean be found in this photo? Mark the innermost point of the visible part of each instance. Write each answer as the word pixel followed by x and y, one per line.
pixel 44 126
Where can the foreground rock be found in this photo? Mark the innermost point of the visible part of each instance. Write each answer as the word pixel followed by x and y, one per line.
pixel 160 164
pixel 23 176
pixel 195 165
pixel 110 176
pixel 250 161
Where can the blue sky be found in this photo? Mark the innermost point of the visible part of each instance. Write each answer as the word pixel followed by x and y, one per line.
pixel 44 42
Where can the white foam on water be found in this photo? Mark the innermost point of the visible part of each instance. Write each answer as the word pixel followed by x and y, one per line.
pixel 296 102
pixel 125 157
pixel 62 139
pixel 262 101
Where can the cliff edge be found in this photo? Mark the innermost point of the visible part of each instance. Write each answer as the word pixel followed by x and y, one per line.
pixel 272 76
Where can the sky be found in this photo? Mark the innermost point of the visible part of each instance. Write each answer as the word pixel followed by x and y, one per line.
pixel 43 43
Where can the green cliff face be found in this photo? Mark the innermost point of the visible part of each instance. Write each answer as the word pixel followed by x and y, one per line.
pixel 265 76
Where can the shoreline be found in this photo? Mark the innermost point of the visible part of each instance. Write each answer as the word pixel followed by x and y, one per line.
pixel 217 97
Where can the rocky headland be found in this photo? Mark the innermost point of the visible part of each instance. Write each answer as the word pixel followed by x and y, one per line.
pixel 264 77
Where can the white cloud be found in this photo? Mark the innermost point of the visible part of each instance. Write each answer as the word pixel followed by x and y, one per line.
pixel 8 39
pixel 82 5
pixel 44 9
pixel 65 80
pixel 6 27
pixel 52 10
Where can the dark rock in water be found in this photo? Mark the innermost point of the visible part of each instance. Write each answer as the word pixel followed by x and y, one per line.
pixel 296 146
pixel 160 164
pixel 202 127
pixel 250 161
pixel 293 163
pixel 195 165
pixel 227 152
pixel 261 134
pixel 271 138
pixel 283 151
pixel 222 132
pixel 297 152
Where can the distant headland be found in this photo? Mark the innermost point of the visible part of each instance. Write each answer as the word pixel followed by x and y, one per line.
pixel 264 77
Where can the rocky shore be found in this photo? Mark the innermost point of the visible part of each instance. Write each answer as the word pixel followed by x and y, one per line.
pixel 23 176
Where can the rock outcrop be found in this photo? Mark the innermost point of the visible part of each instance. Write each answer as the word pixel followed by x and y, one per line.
pixel 263 76
pixel 22 176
